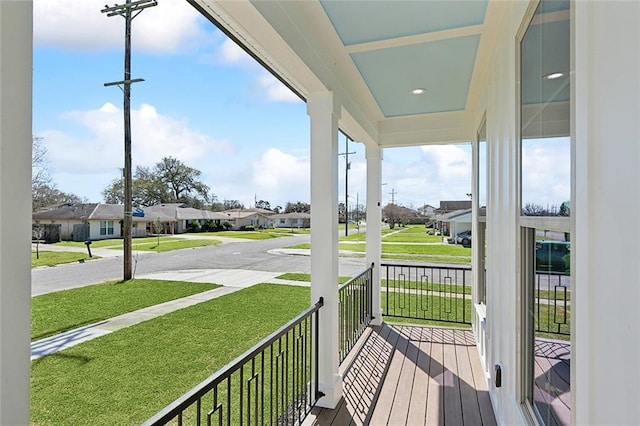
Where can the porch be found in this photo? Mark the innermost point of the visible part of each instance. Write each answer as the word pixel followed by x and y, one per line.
pixel 390 374
pixel 411 375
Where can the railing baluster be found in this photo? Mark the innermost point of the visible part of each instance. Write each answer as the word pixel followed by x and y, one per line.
pixel 288 381
pixel 431 293
pixel 354 309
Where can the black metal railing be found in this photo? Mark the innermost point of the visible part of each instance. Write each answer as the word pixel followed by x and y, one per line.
pixel 355 306
pixel 275 382
pixel 552 297
pixel 434 293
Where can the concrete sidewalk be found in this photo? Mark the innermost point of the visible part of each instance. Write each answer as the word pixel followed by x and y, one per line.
pixel 231 280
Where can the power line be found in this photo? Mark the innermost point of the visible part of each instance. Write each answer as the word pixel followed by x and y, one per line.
pixel 128 11
pixel 393 194
pixel 346 184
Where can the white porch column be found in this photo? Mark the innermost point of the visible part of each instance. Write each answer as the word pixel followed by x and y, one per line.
pixel 324 111
pixel 15 209
pixel 605 294
pixel 374 218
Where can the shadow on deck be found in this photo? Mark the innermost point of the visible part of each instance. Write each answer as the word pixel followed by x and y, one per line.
pixel 409 375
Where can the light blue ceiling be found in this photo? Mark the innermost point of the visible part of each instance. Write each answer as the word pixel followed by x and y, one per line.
pixel 446 76
pixel 444 66
pixel 365 20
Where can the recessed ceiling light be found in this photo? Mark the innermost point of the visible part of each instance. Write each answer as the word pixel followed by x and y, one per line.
pixel 553 76
pixel 419 91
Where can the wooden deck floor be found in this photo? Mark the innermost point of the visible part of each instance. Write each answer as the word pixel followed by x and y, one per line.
pixel 407 375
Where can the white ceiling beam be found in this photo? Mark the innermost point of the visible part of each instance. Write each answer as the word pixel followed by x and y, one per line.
pixel 415 39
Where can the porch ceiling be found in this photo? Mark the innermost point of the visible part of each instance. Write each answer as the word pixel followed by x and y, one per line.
pixel 372 54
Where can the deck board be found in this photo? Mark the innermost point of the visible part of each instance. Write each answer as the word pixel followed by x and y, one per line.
pixel 451 385
pixel 418 403
pixel 408 375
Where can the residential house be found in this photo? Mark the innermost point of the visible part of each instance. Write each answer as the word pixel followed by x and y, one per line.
pixel 452 206
pixel 454 222
pixel 177 218
pixel 94 221
pixel 427 210
pixel 241 219
pixel 291 220
pixel 501 75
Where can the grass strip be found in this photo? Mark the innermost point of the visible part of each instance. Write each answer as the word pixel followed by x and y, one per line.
pixel 427 257
pixel 125 377
pixel 454 309
pixel 298 276
pixel 53 258
pixel 426 286
pixel 175 244
pixel 247 235
pixel 57 312
pixel 116 243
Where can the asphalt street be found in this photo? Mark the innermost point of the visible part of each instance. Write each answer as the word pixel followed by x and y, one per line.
pixel 256 255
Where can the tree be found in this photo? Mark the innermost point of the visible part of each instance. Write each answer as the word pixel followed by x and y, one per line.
pixel 48 195
pixel 39 163
pixel 169 181
pixel 392 214
pixel 43 191
pixel 263 205
pixel 233 204
pixel 298 207
pixel 183 181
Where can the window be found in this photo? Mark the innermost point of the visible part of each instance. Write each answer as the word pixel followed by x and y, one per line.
pixel 545 112
pixel 545 190
pixel 106 227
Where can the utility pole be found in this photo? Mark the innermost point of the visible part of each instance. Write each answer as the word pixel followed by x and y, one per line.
pixel 128 11
pixel 393 194
pixel 346 154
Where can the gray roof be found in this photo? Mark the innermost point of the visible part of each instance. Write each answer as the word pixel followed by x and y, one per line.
pixel 453 215
pixel 241 214
pixel 448 206
pixel 180 211
pixel 293 215
pixel 90 211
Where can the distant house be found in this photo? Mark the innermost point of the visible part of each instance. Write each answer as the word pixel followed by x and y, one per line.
pixel 176 218
pixel 93 221
pixel 452 206
pixel 454 222
pixel 291 220
pixel 240 219
pixel 427 210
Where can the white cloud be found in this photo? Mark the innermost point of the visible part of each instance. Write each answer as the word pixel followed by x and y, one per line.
pixel 168 27
pixel 100 149
pixel 274 89
pixel 428 174
pixel 264 85
pixel 279 177
pixel 546 171
pixel 230 53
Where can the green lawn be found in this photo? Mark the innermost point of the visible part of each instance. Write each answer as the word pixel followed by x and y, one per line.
pixel 116 243
pixel 175 244
pixel 426 307
pixel 125 377
pixel 414 234
pixel 423 286
pixel 247 235
pixel 298 276
pixel 156 244
pixel 290 230
pixel 54 313
pixel 53 258
pixel 431 253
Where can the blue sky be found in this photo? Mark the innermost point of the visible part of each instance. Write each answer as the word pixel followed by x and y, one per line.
pixel 205 102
